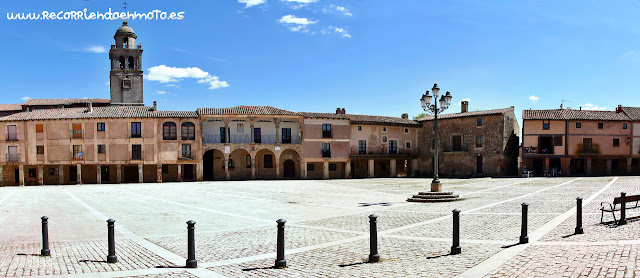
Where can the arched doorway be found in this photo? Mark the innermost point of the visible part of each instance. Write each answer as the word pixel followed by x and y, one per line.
pixel 240 165
pixel 212 165
pixel 289 169
pixel 266 164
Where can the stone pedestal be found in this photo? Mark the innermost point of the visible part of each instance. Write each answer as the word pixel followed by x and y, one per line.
pixel 436 187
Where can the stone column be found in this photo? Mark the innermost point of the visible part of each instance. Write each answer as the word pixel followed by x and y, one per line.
pixel 278 139
pixel 414 167
pixel 61 174
pixel 253 167
pixel 325 170
pixel 372 168
pixel 629 165
pixel 251 127
pixel 1 175
pixel 303 169
pixel 140 173
pixel 40 175
pixel 277 166
pixel 588 166
pixel 608 166
pixel 347 169
pixel 99 174
pixel 546 164
pixel 21 172
pixel 226 166
pixel 179 172
pixel 159 173
pixel 119 173
pixel 392 168
pixel 199 171
pixel 79 174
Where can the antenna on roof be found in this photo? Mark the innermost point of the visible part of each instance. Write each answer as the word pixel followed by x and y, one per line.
pixel 562 102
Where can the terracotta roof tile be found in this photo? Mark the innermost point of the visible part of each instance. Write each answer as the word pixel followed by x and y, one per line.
pixel 313 115
pixel 64 101
pixel 246 110
pixel 98 112
pixel 572 114
pixel 632 112
pixel 369 119
pixel 469 114
pixel 11 107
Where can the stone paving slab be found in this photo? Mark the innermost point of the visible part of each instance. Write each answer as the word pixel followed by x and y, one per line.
pixel 399 258
pixel 386 220
pixel 74 257
pixel 594 231
pixel 179 274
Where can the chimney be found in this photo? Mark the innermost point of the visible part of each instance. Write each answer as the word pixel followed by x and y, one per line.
pixel 619 108
pixel 90 107
pixel 155 106
pixel 344 111
pixel 405 116
pixel 338 111
pixel 465 106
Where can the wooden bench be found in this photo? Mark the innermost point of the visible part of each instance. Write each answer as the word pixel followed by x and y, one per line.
pixel 617 205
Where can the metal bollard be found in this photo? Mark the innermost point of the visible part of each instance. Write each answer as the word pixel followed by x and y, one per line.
pixel 111 257
pixel 623 208
pixel 579 229
pixel 455 248
pixel 374 257
pixel 45 237
pixel 191 245
pixel 280 261
pixel 524 238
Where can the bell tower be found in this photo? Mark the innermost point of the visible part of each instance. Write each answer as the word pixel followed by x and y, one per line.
pixel 126 68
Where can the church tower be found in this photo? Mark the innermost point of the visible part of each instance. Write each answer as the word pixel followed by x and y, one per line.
pixel 126 68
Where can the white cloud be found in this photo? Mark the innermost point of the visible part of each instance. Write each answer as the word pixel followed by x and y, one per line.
pixel 340 9
pixel 533 99
pixel 466 99
pixel 25 98
pixel 251 3
pixel 301 1
pixel 292 19
pixel 96 49
pixel 332 29
pixel 591 106
pixel 164 74
pixel 161 93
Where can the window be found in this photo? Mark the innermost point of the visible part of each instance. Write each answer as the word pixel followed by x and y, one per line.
pixel 169 131
pixel 406 131
pixel 479 122
pixel 546 124
pixel 131 62
pixel 624 126
pixel 384 129
pixel 557 140
pixel 393 147
pixel 12 154
pixel 100 126
pixel 310 167
pixel 326 130
pixel 326 150
pixel 136 152
pixel 77 152
pixel 248 159
pixel 257 136
pixel 359 128
pixel 223 135
pixel 268 161
pixel 231 164
pixel 186 150
pixel 362 146
pixel 102 149
pixel 136 130
pixel 39 149
pixel 586 144
pixel 456 143
pixel 165 168
pixel 188 131
pixel 240 128
pixel 616 142
pixel 479 141
pixel 126 84
pixel 286 136
pixel 32 172
pixel 332 167
pixel 39 128
pixel 53 171
pixel 578 125
pixel 600 125
pixel 407 145
pixel 121 62
pixel 77 130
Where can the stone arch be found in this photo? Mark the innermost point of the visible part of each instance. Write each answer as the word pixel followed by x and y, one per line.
pixel 131 63
pixel 169 131
pixel 290 164
pixel 212 162
pixel 241 168
pixel 121 62
pixel 265 166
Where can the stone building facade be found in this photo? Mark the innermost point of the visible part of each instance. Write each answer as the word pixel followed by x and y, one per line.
pixel 471 143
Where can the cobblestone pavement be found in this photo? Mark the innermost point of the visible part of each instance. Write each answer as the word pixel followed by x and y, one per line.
pixel 327 229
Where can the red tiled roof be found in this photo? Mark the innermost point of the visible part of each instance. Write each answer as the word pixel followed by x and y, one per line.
pixel 97 112
pixel 65 101
pixel 246 110
pixel 572 114
pixel 11 107
pixel 368 119
pixel 313 115
pixel 632 112
pixel 469 114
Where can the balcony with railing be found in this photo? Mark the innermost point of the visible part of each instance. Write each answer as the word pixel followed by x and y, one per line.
pixel 454 148
pixel 381 150
pixel 12 136
pixel 246 139
pixel 588 149
pixel 13 157
pixel 76 155
pixel 326 153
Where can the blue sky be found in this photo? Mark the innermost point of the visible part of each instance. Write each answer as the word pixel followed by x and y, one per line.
pixel 371 57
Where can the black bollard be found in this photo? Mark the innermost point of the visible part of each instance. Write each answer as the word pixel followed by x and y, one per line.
pixel 455 248
pixel 45 237
pixel 579 229
pixel 623 208
pixel 280 261
pixel 523 232
pixel 111 258
pixel 191 245
pixel 374 257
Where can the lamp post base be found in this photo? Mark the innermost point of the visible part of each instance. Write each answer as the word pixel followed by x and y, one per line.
pixel 436 186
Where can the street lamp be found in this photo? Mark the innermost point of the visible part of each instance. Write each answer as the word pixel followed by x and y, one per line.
pixel 429 108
